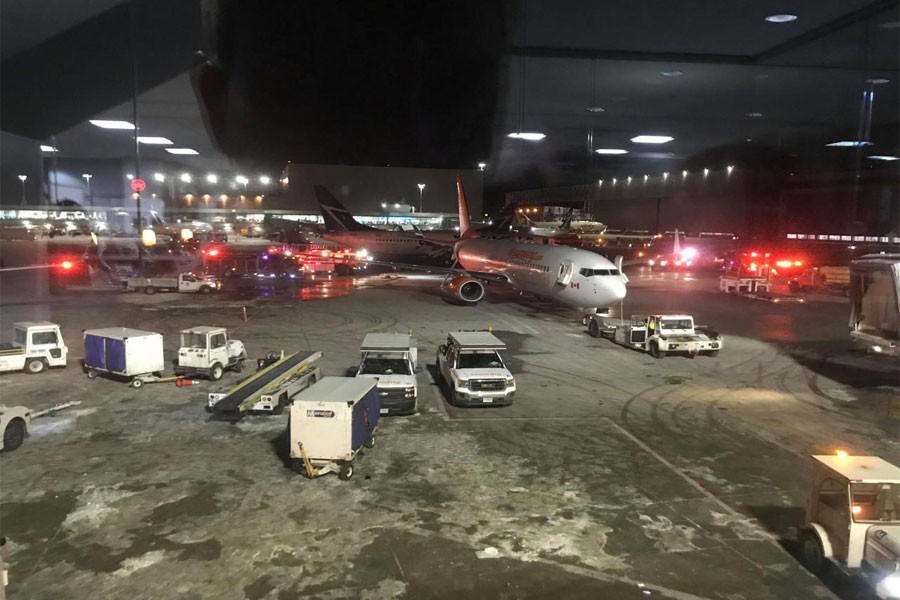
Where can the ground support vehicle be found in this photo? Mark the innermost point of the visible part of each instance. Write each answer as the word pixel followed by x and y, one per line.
pixel 330 423
pixel 746 273
pixel 390 359
pixel 268 391
pixel 658 334
pixel 15 420
pixel 874 294
pixel 186 283
pixel 207 351
pixel 853 519
pixel 273 380
pixel 36 346
pixel 470 367
pixel 733 284
pixel 130 354
pixel 825 279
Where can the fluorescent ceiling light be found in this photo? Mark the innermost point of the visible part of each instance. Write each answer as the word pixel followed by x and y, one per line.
pixel 784 18
pixel 754 115
pixel 48 148
pixel 848 144
pixel 882 157
pixel 530 136
pixel 890 25
pixel 611 151
pixel 186 177
pixel 104 124
pixel 181 151
pixel 878 80
pixel 596 109
pixel 673 73
pixel 159 141
pixel 652 139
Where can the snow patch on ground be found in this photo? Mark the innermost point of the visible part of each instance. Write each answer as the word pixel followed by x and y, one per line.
pixel 668 536
pixel 130 565
pixel 94 505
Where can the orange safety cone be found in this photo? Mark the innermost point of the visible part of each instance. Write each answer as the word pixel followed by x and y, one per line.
pixel 185 382
pixel 244 309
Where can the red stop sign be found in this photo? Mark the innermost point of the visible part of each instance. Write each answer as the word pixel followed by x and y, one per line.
pixel 138 185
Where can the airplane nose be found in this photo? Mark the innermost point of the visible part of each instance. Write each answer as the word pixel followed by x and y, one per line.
pixel 619 290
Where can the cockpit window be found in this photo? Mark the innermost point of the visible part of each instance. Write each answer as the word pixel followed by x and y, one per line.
pixel 593 272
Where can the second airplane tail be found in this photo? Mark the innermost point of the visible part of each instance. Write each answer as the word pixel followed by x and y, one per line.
pixel 336 217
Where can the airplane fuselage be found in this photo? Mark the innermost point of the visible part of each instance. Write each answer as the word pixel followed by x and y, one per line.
pixel 567 275
pixel 385 244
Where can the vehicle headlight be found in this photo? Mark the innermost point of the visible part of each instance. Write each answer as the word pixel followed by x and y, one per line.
pixel 462 383
pixel 889 587
pixel 510 381
pixel 410 392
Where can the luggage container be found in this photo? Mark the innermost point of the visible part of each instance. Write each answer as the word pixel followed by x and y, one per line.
pixel 132 354
pixel 330 423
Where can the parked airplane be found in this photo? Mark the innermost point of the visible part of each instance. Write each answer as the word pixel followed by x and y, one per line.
pixel 566 229
pixel 343 229
pixel 571 276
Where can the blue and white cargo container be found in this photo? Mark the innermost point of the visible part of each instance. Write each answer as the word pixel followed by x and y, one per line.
pixel 127 353
pixel 330 422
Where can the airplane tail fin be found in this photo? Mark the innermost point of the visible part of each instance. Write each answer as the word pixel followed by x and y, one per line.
pixel 337 218
pixel 676 249
pixel 465 224
pixel 504 222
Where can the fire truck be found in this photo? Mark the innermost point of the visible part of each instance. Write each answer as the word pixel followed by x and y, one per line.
pixel 746 273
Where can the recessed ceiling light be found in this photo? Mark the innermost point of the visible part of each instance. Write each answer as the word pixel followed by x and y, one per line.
pixel 882 157
pixel 878 80
pixel 105 124
pixel 890 25
pixel 849 144
pixel 48 148
pixel 181 151
pixel 783 18
pixel 673 73
pixel 754 115
pixel 596 109
pixel 652 139
pixel 611 151
pixel 530 136
pixel 159 141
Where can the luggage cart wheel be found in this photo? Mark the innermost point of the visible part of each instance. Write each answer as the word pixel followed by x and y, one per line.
pixel 92 374
pixel 137 383
pixel 346 471
pixel 371 442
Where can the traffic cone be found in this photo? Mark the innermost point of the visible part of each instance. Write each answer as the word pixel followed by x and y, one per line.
pixel 185 382
pixel 244 309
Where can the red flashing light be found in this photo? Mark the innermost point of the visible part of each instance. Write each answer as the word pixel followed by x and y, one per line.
pixel 784 264
pixel 798 263
pixel 753 266
pixel 753 254
pixel 67 265
pixel 213 252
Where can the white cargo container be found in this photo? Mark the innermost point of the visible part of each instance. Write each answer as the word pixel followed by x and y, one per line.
pixel 330 422
pixel 129 353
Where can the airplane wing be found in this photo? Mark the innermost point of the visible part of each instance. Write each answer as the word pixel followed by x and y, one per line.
pixel 493 277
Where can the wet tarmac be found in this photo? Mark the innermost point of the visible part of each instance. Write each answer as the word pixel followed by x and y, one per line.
pixel 613 475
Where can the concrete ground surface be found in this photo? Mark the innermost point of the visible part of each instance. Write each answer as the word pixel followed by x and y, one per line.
pixel 613 475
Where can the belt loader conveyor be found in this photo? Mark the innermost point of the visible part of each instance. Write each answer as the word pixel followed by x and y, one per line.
pixel 268 380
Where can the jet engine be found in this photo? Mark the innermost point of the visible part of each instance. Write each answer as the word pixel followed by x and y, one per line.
pixel 465 289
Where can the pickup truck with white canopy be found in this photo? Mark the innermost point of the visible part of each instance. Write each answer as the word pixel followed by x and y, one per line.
pixel 471 368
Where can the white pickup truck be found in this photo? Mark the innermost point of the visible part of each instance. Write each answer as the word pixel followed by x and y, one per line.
pixel 471 368
pixel 207 351
pixel 390 359
pixel 658 334
pixel 36 346
pixel 186 282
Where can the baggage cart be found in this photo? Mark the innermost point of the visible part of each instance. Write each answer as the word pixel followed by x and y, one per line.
pixel 330 423
pixel 128 354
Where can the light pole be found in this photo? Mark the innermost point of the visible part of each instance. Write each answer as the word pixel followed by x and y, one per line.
pixel 22 178
pixel 87 177
pixel 421 189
